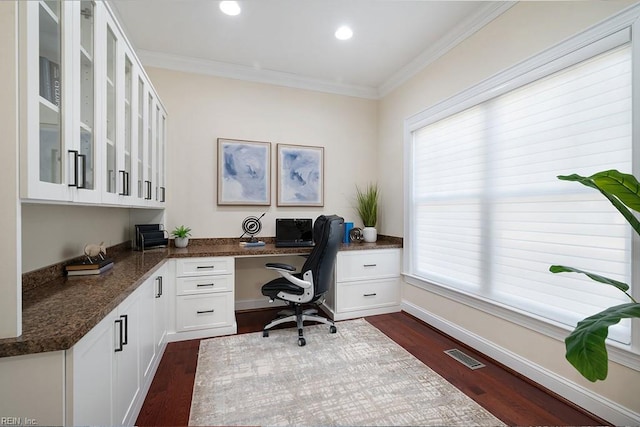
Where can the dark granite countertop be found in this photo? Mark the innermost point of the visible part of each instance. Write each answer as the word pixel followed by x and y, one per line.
pixel 58 312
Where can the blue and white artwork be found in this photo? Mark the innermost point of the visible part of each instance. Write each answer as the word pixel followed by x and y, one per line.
pixel 300 175
pixel 244 172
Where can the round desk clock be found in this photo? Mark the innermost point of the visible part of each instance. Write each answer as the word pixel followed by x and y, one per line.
pixel 355 235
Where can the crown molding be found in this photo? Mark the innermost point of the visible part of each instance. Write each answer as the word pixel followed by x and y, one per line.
pixel 457 35
pixel 257 75
pixel 461 32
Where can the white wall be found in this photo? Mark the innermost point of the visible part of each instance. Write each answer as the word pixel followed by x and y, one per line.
pixel 521 32
pixel 203 108
pixel 10 281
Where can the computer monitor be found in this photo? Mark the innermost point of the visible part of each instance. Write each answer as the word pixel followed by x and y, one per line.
pixel 294 232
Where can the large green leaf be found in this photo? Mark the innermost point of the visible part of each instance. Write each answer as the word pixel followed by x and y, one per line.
pixel 562 269
pixel 624 186
pixel 586 349
pixel 618 188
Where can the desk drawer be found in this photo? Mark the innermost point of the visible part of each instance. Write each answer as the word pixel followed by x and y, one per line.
pixel 204 284
pixel 204 266
pixel 354 296
pixel 368 264
pixel 204 311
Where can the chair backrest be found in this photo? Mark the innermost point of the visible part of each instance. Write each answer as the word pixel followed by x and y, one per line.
pixel 328 232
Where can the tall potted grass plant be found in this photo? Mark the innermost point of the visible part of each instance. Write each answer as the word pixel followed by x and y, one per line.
pixel 367 207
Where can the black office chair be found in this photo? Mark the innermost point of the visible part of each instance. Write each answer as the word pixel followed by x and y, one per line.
pixel 310 285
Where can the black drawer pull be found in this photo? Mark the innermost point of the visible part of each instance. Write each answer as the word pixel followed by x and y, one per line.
pixel 370 265
pixel 209 267
pixel 120 330
pixel 205 285
pixel 204 311
pixel 370 295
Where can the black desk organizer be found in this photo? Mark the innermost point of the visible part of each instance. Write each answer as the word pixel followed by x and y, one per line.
pixel 151 236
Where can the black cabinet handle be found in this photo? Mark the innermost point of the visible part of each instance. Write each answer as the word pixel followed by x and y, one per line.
pixel 126 187
pixel 123 175
pixel 210 267
pixel 148 196
pixel 370 295
pixel 205 311
pixel 74 154
pixel 82 157
pixel 120 343
pixel 370 265
pixel 125 341
pixel 159 280
pixel 205 285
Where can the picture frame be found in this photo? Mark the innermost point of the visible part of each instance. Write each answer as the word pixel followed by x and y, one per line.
pixel 244 172
pixel 300 175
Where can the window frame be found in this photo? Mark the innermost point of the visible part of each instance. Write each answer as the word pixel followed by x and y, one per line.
pixel 602 37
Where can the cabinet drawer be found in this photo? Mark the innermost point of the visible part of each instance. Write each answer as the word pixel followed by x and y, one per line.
pixel 204 311
pixel 366 295
pixel 368 264
pixel 203 266
pixel 204 284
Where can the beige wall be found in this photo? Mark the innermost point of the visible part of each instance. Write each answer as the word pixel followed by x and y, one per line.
pixel 524 30
pixel 203 108
pixel 10 288
pixel 52 233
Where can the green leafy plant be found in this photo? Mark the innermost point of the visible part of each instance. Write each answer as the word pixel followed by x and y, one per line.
pixel 367 204
pixel 181 232
pixel 585 346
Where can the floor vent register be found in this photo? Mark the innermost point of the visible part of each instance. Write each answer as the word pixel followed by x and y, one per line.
pixel 465 359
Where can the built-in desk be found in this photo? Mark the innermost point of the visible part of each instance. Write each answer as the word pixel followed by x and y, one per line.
pixel 74 361
pixel 210 275
pixel 58 311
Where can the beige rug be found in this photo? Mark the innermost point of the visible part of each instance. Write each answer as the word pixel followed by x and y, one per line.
pixel 357 376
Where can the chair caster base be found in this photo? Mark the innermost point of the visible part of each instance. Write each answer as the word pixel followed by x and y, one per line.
pixel 301 342
pixel 332 329
pixel 265 334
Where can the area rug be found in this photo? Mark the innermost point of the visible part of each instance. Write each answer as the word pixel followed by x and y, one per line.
pixel 357 376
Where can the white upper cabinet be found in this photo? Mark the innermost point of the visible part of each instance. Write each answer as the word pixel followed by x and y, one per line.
pixel 93 130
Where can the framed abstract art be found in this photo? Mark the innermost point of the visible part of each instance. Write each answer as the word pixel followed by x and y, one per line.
pixel 300 175
pixel 244 172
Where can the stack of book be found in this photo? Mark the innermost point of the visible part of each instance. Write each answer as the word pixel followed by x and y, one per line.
pixel 85 268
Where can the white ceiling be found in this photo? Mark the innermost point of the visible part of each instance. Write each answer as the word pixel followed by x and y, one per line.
pixel 291 42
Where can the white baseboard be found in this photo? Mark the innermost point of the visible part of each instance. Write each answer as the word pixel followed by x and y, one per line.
pixel 252 304
pixel 587 399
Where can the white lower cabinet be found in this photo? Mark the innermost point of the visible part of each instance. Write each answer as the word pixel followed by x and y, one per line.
pixel 111 368
pixel 205 302
pixel 367 282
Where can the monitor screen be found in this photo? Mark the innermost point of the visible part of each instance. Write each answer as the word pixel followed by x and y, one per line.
pixel 294 230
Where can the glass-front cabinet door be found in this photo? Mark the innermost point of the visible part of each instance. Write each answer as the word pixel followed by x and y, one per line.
pixel 125 172
pixel 140 149
pixel 84 157
pixel 44 75
pixel 150 148
pixel 110 82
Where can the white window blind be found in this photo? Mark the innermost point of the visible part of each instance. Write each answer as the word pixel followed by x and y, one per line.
pixel 488 215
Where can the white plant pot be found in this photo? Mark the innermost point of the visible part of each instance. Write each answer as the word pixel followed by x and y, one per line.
pixel 370 234
pixel 181 242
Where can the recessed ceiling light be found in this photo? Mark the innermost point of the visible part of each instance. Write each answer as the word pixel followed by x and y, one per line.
pixel 231 8
pixel 344 33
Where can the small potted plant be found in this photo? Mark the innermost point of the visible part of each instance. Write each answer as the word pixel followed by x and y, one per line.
pixel 367 207
pixel 181 235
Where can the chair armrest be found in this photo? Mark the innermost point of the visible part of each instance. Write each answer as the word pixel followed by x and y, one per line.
pixel 279 266
pixel 285 271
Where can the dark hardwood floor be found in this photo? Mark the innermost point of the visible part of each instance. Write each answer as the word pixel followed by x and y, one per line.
pixel 507 395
